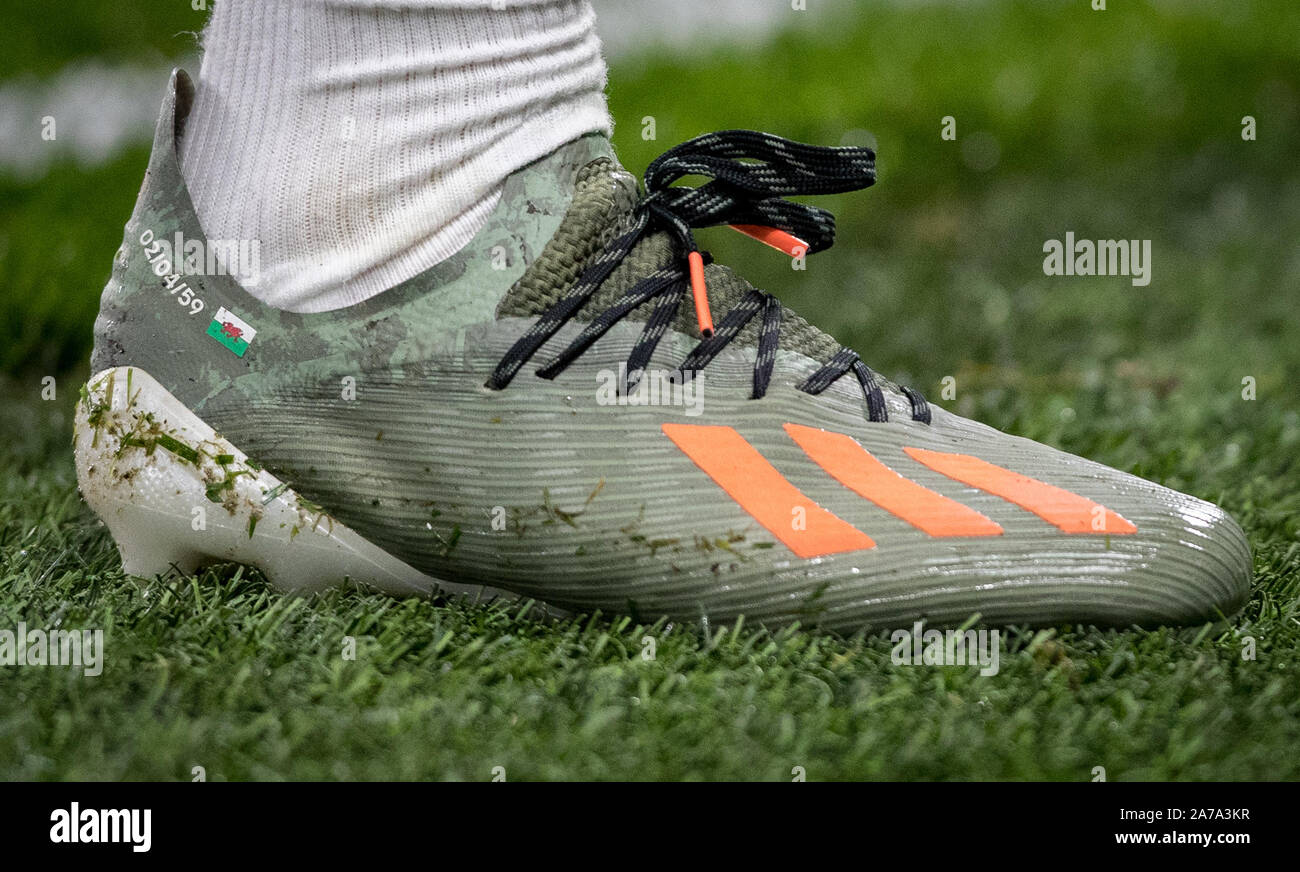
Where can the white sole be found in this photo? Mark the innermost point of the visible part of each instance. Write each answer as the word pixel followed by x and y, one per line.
pixel 176 495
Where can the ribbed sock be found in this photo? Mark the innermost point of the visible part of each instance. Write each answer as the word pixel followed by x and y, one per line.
pixel 360 142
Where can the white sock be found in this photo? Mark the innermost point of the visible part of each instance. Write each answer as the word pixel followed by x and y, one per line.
pixel 360 142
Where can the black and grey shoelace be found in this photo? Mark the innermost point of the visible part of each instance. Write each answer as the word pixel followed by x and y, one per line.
pixel 751 174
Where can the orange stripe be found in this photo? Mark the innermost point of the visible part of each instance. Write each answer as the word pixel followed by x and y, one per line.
pixel 855 468
pixel 1068 511
pixel 738 468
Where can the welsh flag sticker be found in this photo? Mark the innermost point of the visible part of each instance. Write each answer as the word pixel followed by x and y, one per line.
pixel 228 329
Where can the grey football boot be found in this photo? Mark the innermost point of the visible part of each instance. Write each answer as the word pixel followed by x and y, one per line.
pixel 552 412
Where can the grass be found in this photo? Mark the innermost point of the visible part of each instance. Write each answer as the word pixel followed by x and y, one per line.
pixel 1123 124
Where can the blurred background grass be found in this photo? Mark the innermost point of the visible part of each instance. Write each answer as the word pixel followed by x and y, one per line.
pixel 1121 124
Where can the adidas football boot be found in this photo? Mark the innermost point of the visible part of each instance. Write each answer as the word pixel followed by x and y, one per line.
pixel 581 408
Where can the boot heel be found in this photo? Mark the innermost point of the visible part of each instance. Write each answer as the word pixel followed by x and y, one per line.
pixel 175 495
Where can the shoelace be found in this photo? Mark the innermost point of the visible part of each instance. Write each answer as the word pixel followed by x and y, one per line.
pixel 751 173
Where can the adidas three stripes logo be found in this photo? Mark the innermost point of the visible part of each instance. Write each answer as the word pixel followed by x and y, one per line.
pixel 758 488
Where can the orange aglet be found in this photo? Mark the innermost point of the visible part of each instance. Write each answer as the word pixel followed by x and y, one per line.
pixel 778 239
pixel 700 293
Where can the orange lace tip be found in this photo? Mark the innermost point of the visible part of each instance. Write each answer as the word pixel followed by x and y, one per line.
pixel 700 293
pixel 778 239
